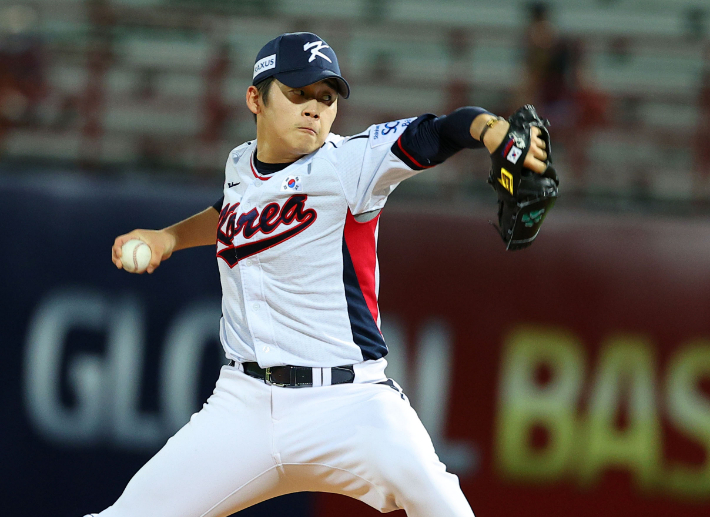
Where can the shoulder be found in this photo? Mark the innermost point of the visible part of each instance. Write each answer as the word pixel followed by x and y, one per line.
pixel 333 148
pixel 236 153
pixel 363 151
pixel 334 139
pixel 379 134
pixel 373 138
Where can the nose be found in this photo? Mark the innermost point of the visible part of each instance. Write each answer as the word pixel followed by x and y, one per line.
pixel 310 110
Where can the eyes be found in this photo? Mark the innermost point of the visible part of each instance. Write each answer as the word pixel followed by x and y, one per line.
pixel 325 97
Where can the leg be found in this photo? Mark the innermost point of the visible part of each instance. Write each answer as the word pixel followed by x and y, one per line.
pixel 364 441
pixel 219 463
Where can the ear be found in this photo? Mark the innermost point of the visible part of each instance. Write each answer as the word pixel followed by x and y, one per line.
pixel 253 100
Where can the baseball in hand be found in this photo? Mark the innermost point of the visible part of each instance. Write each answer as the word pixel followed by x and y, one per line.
pixel 135 256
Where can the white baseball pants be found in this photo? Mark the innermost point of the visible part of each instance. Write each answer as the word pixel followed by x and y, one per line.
pixel 252 442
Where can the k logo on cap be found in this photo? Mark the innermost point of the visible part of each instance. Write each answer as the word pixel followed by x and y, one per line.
pixel 315 47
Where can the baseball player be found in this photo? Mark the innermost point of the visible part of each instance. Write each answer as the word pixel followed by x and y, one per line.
pixel 304 403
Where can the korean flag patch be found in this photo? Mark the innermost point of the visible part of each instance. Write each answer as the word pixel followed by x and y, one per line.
pixel 514 154
pixel 292 183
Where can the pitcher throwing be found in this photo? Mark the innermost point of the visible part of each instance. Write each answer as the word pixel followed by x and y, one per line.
pixel 304 404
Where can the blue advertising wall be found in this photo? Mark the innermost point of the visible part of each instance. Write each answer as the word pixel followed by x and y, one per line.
pixel 99 367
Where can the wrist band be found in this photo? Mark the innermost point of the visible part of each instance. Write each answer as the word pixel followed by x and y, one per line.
pixel 489 124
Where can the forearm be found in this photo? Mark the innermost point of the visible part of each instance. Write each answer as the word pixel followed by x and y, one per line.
pixel 198 230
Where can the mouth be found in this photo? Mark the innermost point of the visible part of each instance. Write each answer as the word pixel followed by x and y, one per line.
pixel 308 130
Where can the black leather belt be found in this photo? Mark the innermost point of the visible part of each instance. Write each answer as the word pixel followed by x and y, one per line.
pixel 296 376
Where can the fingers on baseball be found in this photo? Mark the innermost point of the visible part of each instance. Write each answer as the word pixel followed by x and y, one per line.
pixel 116 252
pixel 155 257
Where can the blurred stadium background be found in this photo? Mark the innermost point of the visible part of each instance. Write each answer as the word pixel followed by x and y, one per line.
pixel 588 395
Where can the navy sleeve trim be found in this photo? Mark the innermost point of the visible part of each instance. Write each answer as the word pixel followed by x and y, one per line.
pixel 430 140
pixel 407 158
pixel 218 205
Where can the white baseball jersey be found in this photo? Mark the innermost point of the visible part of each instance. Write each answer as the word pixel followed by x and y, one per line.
pixel 297 252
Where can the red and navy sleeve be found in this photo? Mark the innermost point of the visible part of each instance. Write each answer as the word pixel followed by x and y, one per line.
pixel 430 140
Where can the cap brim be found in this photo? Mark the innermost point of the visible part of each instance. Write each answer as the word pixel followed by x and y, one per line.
pixel 301 78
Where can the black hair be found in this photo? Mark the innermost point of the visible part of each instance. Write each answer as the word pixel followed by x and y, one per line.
pixel 263 87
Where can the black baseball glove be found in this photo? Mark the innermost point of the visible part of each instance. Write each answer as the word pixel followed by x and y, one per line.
pixel 524 197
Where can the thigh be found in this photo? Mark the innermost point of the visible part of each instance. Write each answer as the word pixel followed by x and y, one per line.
pixel 218 463
pixel 366 441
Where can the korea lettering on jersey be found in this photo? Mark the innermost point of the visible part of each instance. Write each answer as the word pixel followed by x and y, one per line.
pixel 297 252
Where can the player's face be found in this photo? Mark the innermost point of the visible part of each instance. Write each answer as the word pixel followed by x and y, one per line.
pixel 295 121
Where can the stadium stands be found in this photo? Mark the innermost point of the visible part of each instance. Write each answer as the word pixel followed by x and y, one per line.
pixel 152 101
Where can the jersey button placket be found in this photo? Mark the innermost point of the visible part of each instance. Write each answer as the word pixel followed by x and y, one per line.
pixel 257 309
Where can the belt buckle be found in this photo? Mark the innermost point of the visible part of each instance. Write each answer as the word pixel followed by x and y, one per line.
pixel 267 379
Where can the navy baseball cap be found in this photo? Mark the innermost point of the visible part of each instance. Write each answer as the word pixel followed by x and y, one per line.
pixel 298 59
